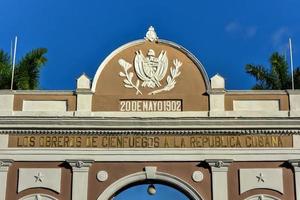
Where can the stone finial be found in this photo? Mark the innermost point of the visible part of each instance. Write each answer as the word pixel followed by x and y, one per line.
pixel 83 82
pixel 217 82
pixel 151 35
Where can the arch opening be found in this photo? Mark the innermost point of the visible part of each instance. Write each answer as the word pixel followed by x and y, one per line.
pixel 141 177
pixel 163 190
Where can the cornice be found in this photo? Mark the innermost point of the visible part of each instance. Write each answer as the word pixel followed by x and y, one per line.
pixel 267 92
pixel 147 123
pixel 151 132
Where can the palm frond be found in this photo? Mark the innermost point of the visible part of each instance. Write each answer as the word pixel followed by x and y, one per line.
pixel 261 75
pixel 5 70
pixel 277 77
pixel 279 70
pixel 28 69
pixel 297 78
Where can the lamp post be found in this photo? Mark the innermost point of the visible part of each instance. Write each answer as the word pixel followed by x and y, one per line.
pixel 151 189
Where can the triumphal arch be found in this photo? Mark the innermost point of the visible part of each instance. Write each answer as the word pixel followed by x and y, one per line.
pixel 150 115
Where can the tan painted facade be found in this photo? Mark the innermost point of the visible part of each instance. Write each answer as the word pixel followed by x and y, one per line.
pixel 150 115
pixel 182 170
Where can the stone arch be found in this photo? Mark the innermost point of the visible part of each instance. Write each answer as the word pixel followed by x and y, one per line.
pixel 37 197
pixel 262 197
pixel 141 176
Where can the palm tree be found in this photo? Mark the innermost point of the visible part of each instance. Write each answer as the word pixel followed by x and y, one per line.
pixel 275 78
pixel 27 70
pixel 297 78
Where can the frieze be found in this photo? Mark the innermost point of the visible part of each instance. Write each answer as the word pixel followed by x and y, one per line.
pixel 150 141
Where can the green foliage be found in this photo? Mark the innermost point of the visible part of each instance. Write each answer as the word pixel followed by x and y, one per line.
pixel 275 78
pixel 5 70
pixel 27 70
pixel 297 78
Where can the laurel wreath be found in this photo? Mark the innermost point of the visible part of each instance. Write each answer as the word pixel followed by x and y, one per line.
pixel 128 76
pixel 174 72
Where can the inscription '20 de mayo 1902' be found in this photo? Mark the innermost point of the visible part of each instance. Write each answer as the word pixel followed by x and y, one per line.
pixel 150 106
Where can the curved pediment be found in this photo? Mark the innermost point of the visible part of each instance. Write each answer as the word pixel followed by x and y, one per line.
pixel 153 70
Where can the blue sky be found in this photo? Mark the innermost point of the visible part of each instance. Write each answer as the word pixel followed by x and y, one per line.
pixel 223 35
pixel 139 192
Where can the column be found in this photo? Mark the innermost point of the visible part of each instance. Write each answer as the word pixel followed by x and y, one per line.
pixel 4 166
pixel 219 169
pixel 80 169
pixel 296 166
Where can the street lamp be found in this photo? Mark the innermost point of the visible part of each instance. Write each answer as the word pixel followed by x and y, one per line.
pixel 151 189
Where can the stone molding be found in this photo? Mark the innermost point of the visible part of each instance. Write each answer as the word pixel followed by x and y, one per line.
pixel 262 197
pixel 38 197
pixel 162 121
pixel 141 176
pixel 295 162
pixel 5 163
pixel 276 92
pixel 83 91
pixel 80 165
pixel 216 91
pixel 171 154
pixel 152 132
pixel 219 164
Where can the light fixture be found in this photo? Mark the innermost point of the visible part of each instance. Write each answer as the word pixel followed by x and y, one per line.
pixel 151 189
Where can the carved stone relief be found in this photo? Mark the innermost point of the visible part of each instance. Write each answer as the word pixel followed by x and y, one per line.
pixel 268 178
pixel 38 197
pixel 262 197
pixel 150 69
pixel 39 177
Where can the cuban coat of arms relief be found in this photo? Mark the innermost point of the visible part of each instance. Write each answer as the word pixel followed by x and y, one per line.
pixel 150 70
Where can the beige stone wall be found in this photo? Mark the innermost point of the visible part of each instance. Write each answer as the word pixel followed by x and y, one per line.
pixel 20 98
pixel 12 180
pixel 182 170
pixel 288 180
pixel 282 98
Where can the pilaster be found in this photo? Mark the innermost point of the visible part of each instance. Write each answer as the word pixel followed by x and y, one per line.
pixel 80 169
pixel 219 169
pixel 296 166
pixel 4 167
